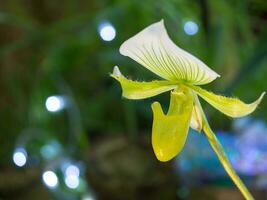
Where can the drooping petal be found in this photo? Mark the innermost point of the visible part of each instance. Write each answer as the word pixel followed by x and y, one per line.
pixel 140 90
pixel 229 106
pixel 153 49
pixel 169 132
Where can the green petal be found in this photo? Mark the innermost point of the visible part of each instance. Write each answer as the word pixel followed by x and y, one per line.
pixel 229 106
pixel 140 90
pixel 170 131
pixel 153 48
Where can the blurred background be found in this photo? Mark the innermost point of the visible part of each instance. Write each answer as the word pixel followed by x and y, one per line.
pixel 65 131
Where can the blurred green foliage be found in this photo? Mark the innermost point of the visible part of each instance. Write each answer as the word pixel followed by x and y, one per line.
pixel 50 47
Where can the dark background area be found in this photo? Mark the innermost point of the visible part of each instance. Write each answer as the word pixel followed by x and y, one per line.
pixel 55 48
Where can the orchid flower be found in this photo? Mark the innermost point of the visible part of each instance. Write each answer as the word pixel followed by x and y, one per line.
pixel 182 74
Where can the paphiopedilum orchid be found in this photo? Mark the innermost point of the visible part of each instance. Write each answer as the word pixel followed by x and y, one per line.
pixel 182 74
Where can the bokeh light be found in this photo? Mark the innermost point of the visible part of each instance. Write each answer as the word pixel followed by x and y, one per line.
pixel 72 181
pixel 20 157
pixel 190 28
pixel 88 197
pixel 72 170
pixel 50 179
pixel 55 103
pixel 107 31
pixel 72 173
pixel 50 150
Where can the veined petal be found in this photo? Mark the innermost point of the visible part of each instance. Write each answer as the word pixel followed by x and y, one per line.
pixel 140 90
pixel 229 106
pixel 169 132
pixel 153 49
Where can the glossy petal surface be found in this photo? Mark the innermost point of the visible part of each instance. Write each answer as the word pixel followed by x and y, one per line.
pixel 170 131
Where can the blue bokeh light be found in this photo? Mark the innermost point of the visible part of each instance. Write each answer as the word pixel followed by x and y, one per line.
pixel 107 31
pixel 190 28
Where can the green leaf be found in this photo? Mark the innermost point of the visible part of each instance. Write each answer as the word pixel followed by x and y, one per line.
pixel 140 90
pixel 170 131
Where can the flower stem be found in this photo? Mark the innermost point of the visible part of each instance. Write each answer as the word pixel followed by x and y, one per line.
pixel 217 147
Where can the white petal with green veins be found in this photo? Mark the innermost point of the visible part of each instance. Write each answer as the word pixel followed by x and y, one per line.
pixel 169 132
pixel 231 107
pixel 153 49
pixel 140 90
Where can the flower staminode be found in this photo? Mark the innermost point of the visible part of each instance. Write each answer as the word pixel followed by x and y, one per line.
pixel 182 73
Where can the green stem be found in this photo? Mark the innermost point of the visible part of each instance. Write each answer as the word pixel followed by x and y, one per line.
pixel 217 147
